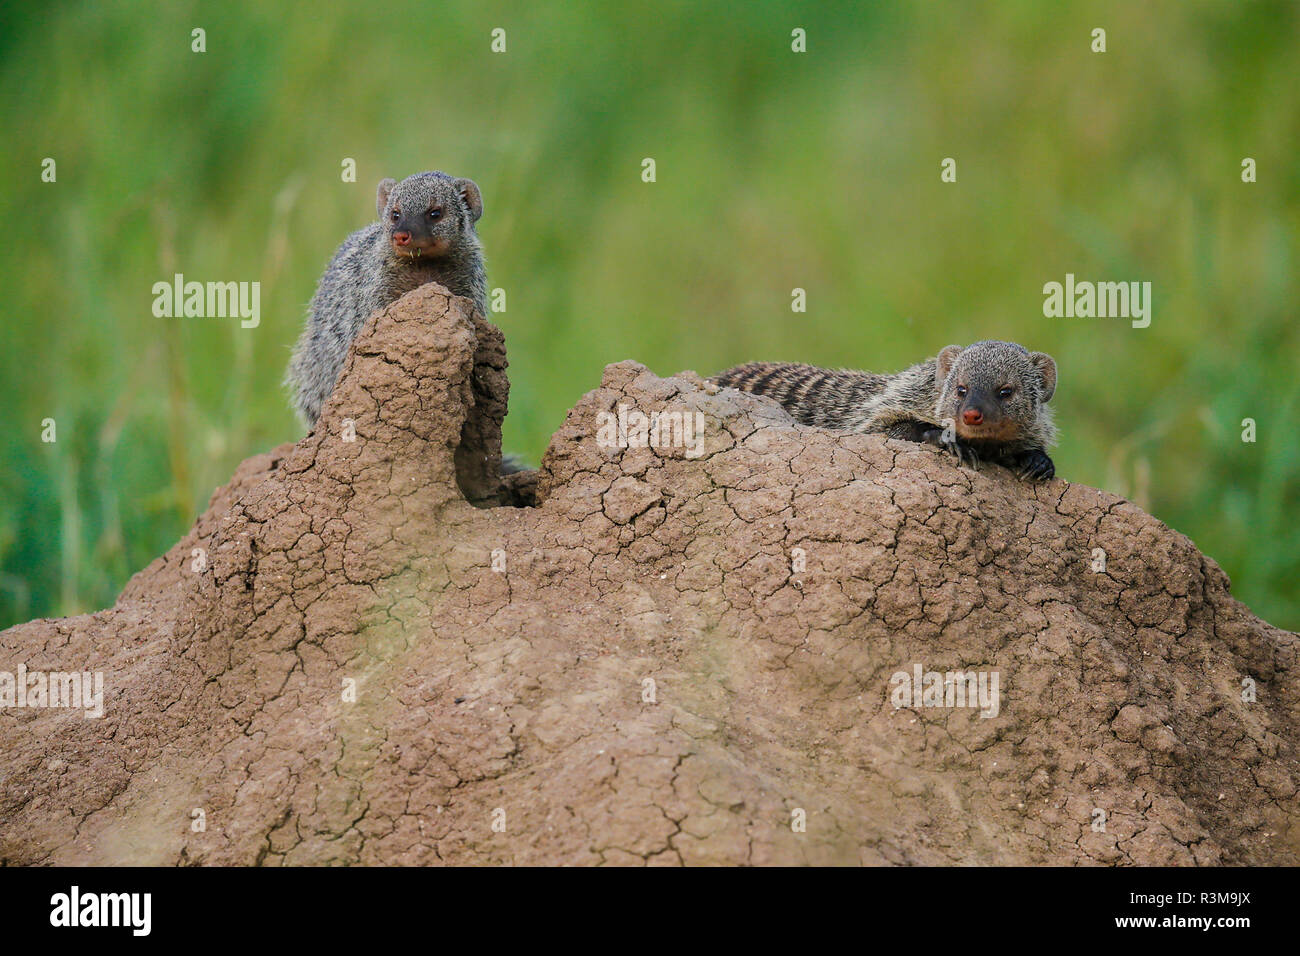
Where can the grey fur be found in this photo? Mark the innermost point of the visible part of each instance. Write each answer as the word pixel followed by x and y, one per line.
pixel 928 402
pixel 368 272
pixel 513 464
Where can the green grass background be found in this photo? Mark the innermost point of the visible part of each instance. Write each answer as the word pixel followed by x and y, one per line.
pixel 775 170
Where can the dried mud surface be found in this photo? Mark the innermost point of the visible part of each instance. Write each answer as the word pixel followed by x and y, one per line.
pixel 643 678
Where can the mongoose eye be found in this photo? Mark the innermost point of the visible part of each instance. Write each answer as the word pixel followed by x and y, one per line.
pixel 961 391
pixel 436 213
pixel 1005 391
pixel 397 214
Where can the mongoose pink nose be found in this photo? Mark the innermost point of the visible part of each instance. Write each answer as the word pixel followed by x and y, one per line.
pixel 972 416
pixel 402 238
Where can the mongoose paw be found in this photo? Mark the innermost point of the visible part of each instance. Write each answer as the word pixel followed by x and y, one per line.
pixel 963 452
pixel 1035 466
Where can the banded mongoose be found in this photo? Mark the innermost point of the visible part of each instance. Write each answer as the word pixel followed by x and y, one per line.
pixel 425 233
pixel 986 401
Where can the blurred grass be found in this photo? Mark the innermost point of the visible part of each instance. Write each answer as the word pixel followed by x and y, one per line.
pixel 775 170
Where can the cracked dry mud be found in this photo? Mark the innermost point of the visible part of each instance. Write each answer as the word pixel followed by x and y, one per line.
pixel 520 693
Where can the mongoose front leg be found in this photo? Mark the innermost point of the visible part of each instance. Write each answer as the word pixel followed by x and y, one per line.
pixel 1032 465
pixel 939 437
pixel 927 434
pixel 907 430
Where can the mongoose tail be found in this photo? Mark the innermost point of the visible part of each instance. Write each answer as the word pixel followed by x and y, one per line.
pixel 988 401
pixel 425 233
pixel 823 397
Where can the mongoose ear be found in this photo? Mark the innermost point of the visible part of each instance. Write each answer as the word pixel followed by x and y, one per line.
pixel 945 361
pixel 381 197
pixel 1047 368
pixel 473 198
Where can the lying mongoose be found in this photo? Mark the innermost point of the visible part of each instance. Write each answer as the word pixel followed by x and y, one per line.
pixel 425 233
pixel 986 401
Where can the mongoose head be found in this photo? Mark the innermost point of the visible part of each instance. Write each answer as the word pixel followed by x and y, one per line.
pixel 426 215
pixel 994 391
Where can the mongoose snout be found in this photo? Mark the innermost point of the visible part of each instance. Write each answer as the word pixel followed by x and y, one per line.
pixel 980 417
pixel 404 244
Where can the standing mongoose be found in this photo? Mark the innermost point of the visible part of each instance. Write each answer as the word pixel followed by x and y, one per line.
pixel 988 400
pixel 425 233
